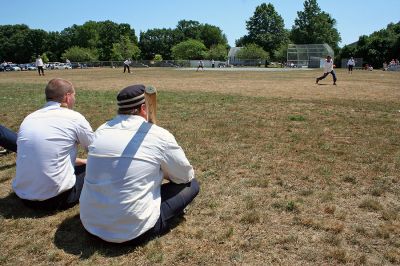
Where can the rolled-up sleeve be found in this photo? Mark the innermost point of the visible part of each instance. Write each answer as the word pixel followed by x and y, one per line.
pixel 175 164
pixel 84 133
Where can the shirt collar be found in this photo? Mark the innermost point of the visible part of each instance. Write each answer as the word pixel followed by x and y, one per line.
pixel 131 117
pixel 52 104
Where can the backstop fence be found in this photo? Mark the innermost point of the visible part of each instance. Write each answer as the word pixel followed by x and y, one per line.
pixel 308 55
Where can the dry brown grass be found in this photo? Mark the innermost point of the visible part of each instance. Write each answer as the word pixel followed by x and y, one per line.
pixel 291 172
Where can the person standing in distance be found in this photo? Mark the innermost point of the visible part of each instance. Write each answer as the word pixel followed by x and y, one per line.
pixel 328 69
pixel 201 65
pixel 124 198
pixel 350 64
pixel 39 65
pixel 48 174
pixel 127 63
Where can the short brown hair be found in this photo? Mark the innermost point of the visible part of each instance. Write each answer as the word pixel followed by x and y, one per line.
pixel 57 88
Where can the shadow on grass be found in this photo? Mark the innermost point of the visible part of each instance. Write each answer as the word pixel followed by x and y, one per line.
pixel 11 207
pixel 72 237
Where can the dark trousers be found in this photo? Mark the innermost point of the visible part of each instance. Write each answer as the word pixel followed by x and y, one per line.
pixel 40 69
pixel 326 74
pixel 8 139
pixel 127 67
pixel 174 199
pixel 350 68
pixel 65 200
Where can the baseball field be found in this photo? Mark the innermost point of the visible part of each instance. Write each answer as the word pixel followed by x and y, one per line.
pixel 291 172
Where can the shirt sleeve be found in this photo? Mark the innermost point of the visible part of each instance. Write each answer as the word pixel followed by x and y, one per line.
pixel 175 164
pixel 84 133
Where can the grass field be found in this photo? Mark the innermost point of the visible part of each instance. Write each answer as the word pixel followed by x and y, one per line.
pixel 291 172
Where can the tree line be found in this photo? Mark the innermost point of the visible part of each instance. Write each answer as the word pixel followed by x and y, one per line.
pixel 266 38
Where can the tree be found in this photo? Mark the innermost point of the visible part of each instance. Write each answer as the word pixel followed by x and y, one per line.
pixel 189 50
pixel 265 28
pixel 212 35
pixel 218 52
pixel 189 29
pixel 13 39
pixel 124 49
pixel 315 26
pixel 252 51
pixel 158 41
pixel 380 46
pixel 79 54
pixel 157 57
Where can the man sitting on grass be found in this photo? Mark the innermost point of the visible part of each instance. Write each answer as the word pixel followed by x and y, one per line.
pixel 49 175
pixel 123 198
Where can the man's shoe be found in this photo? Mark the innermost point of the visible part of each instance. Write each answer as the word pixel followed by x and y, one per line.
pixel 334 83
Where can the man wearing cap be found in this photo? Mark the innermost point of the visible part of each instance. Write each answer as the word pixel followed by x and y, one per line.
pixel 49 175
pixel 328 69
pixel 123 198
pixel 127 63
pixel 40 65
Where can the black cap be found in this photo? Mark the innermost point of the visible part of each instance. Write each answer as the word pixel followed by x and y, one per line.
pixel 131 97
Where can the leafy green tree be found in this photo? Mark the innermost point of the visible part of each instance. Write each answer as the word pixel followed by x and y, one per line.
pixel 45 58
pixel 265 28
pixel 212 35
pixel 157 57
pixel 315 26
pixel 218 52
pixel 189 29
pixel 16 43
pixel 79 54
pixel 189 50
pixel 381 46
pixel 158 41
pixel 252 51
pixel 124 49
pixel 280 55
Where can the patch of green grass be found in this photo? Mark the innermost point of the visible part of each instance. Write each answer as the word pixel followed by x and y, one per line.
pixel 297 118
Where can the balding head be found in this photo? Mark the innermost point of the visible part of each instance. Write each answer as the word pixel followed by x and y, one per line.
pixel 57 88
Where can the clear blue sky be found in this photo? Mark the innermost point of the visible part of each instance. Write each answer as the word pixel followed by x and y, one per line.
pixel 354 17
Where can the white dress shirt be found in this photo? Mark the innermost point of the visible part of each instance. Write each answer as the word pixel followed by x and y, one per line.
pixel 46 151
pixel 120 199
pixel 351 62
pixel 328 67
pixel 39 62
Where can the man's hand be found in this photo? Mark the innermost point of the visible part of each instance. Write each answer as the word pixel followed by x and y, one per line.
pixel 80 161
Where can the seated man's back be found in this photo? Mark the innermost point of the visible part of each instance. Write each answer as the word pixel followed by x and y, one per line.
pixel 47 147
pixel 123 195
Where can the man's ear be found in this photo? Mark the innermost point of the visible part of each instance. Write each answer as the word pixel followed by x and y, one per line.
pixel 64 102
pixel 143 108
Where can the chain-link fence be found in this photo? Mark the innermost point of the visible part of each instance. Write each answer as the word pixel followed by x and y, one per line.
pixel 308 55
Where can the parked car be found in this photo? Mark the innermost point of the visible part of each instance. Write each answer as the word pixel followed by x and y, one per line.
pixel 78 65
pixel 32 67
pixel 75 65
pixel 12 67
pixel 62 66
pixel 23 67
